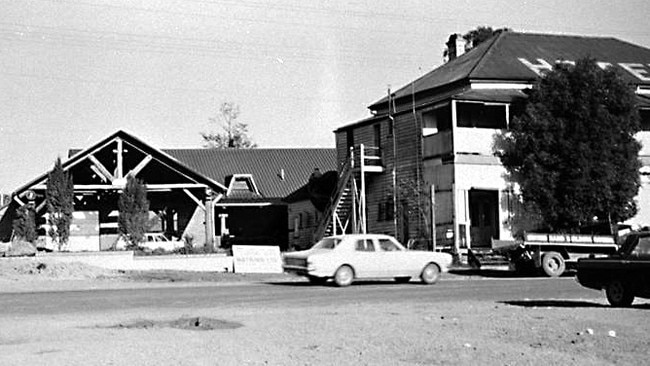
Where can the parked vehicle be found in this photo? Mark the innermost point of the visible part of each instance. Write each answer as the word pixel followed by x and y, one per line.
pixel 153 241
pixel 624 276
pixel 345 258
pixel 554 253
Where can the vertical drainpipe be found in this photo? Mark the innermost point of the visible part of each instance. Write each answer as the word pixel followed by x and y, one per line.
pixel 454 201
pixel 391 104
pixel 209 220
pixel 353 188
pixel 362 196
pixel 500 226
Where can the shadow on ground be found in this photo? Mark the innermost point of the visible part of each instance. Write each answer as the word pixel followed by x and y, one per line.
pixel 357 283
pixel 564 304
pixel 501 273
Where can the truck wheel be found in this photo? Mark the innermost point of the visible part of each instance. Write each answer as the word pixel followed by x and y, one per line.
pixel 553 264
pixel 619 294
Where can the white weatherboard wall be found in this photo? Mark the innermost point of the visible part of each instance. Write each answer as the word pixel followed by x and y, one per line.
pixel 125 260
pixel 488 176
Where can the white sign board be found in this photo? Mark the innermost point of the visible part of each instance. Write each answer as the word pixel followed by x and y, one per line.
pixel 256 259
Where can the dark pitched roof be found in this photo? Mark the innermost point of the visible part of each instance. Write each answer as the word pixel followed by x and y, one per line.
pixel 276 172
pixel 76 155
pixel 499 60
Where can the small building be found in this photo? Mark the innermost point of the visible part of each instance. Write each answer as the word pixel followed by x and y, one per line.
pixel 205 196
pixel 263 192
pixel 433 179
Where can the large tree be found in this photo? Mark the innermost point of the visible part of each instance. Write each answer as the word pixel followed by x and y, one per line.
pixel 234 135
pixel 59 195
pixel 572 151
pixel 477 36
pixel 133 207
pixel 481 34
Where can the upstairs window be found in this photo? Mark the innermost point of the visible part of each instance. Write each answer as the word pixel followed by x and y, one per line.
pixel 481 115
pixel 377 134
pixel 644 118
pixel 436 120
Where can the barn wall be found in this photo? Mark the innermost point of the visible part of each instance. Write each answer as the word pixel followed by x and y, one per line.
pixel 304 218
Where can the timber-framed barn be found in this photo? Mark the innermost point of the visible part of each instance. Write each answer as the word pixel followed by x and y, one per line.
pixel 208 195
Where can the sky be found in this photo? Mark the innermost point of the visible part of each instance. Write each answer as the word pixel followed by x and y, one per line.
pixel 73 72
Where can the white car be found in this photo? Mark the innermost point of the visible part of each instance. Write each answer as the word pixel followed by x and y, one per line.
pixel 345 258
pixel 153 241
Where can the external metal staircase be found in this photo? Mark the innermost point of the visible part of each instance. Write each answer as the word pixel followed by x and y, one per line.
pixel 346 212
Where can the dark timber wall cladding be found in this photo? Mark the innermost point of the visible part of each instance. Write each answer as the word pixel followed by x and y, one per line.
pixel 400 150
pixel 341 148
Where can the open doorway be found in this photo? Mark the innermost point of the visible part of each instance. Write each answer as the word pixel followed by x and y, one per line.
pixel 484 217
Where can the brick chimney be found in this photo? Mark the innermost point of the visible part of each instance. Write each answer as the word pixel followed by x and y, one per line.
pixel 455 46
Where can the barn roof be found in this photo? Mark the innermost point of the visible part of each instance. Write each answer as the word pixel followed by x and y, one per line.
pixel 514 57
pixel 276 172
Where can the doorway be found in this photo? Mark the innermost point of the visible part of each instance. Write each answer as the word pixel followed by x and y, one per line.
pixel 484 217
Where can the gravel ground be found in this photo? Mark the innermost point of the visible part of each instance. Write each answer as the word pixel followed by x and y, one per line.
pixel 402 333
pixel 28 274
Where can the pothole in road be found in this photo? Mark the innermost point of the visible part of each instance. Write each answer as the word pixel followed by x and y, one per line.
pixel 191 323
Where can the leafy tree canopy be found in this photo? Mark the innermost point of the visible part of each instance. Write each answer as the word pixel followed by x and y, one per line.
pixel 234 135
pixel 477 36
pixel 572 151
pixel 481 34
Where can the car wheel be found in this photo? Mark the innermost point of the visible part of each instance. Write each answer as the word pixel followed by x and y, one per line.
pixel 317 280
pixel 402 279
pixel 553 264
pixel 430 274
pixel 619 294
pixel 344 276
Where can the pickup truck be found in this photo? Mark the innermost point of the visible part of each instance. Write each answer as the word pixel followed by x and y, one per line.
pixel 624 275
pixel 553 253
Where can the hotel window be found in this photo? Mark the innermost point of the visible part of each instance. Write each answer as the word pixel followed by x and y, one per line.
pixel 481 115
pixel 644 119
pixel 436 120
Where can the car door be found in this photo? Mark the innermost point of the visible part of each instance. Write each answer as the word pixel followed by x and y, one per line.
pixel 364 258
pixel 392 258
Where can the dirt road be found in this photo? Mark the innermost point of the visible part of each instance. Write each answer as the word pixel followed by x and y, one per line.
pixel 363 330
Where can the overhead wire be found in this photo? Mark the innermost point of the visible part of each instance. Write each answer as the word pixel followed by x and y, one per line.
pixel 198 46
pixel 407 18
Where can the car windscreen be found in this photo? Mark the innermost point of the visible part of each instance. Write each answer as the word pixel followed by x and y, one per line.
pixel 327 243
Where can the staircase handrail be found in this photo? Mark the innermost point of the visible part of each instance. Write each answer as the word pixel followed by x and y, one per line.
pixel 344 177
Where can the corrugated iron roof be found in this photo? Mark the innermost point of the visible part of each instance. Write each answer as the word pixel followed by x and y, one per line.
pixel 276 172
pixel 499 59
